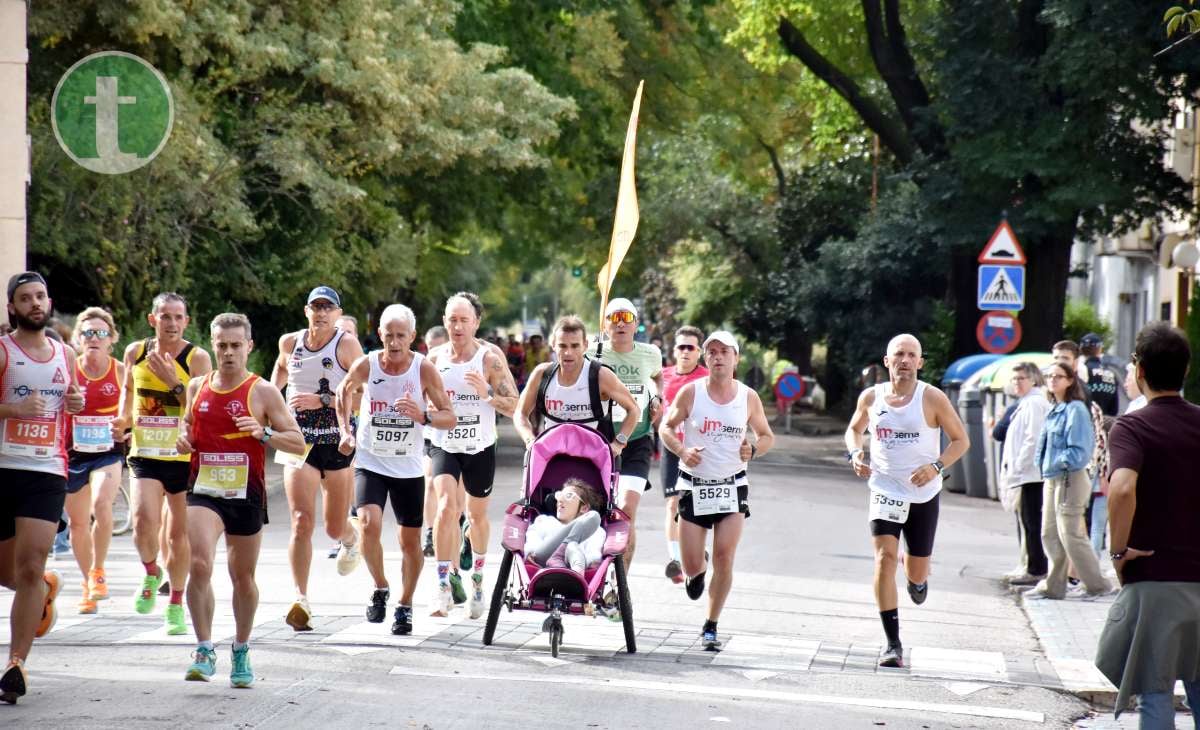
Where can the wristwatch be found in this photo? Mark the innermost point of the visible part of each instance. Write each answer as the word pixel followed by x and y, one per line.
pixel 851 454
pixel 267 434
pixel 1119 555
pixel 621 438
pixel 940 467
pixel 177 389
pixel 326 399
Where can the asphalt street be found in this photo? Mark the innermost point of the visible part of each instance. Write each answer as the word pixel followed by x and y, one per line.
pixel 801 631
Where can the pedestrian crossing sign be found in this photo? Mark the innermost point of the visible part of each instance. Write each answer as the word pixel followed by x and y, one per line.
pixel 1001 288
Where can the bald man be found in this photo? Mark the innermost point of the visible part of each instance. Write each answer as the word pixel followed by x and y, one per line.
pixel 906 418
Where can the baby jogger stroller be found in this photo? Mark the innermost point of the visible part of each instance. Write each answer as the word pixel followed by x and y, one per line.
pixel 561 452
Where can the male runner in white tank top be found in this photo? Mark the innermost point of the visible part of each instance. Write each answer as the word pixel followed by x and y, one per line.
pixel 312 363
pixel 38 380
pixel 906 418
pixel 715 413
pixel 479 384
pixel 393 385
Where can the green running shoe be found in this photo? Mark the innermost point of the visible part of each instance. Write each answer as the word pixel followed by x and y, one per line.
pixel 176 623
pixel 204 664
pixel 456 589
pixel 143 602
pixel 464 553
pixel 242 676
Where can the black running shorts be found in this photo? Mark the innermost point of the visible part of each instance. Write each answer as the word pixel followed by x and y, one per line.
pixel 81 466
pixel 35 494
pixel 668 473
pixel 241 517
pixel 707 521
pixel 173 475
pixel 326 457
pixel 477 471
pixel 407 495
pixel 636 458
pixel 918 530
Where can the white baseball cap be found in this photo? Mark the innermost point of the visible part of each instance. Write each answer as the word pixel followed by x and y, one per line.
pixel 620 304
pixel 724 338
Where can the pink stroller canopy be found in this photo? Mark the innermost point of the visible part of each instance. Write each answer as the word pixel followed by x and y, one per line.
pixel 571 440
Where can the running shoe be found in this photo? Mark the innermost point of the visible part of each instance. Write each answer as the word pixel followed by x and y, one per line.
pixel 674 571
pixel 464 552
pixel 176 622
pixel 442 601
pixel 49 612
pixel 892 657
pixel 349 556
pixel 165 588
pixel 1025 579
pixel 299 616
pixel 708 639
pixel 378 608
pixel 402 623
pixel 98 584
pixel 918 592
pixel 13 682
pixel 241 676
pixel 204 665
pixel 475 607
pixel 143 602
pixel 695 586
pixel 427 550
pixel 333 550
pixel 87 602
pixel 456 589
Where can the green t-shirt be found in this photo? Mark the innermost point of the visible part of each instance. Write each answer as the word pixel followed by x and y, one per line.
pixel 636 369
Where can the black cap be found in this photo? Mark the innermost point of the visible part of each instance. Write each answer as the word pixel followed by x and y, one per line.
pixel 25 277
pixel 1091 339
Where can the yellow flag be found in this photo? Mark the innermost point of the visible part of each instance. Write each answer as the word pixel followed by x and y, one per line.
pixel 625 222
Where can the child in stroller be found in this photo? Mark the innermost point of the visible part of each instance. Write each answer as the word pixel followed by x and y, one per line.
pixel 572 538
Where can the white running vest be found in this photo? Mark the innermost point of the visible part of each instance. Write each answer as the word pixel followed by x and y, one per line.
pixel 476 427
pixel 902 442
pixel 315 371
pixel 720 429
pixel 388 443
pixel 571 403
pixel 38 443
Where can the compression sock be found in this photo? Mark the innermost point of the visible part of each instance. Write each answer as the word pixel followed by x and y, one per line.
pixel 177 597
pixel 151 567
pixel 480 559
pixel 891 625
pixel 673 550
pixel 443 573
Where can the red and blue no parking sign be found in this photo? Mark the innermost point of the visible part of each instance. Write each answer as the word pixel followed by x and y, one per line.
pixel 788 387
pixel 998 332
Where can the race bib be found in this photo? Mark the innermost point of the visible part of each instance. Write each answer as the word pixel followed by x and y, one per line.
pixel 464 437
pixel 886 508
pixel 714 496
pixel 639 395
pixel 36 437
pixel 392 436
pixel 91 434
pixel 223 476
pixel 290 460
pixel 155 436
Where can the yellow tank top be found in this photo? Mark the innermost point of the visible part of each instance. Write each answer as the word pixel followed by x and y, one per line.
pixel 158 412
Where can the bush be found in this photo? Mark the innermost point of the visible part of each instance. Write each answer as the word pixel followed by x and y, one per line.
pixel 1080 318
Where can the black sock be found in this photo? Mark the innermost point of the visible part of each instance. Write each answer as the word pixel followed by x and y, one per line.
pixel 710 626
pixel 891 625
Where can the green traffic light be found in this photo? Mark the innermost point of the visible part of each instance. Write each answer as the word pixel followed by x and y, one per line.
pixel 577 272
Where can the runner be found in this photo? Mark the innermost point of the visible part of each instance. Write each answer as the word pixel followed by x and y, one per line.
pixel 38 378
pixel 434 337
pixel 905 477
pixel 156 374
pixel 714 413
pixel 687 368
pixel 639 366
pixel 393 386
pixel 230 417
pixel 479 384
pixel 95 460
pixel 312 363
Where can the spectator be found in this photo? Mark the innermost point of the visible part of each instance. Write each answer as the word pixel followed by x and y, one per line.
pixel 536 353
pixel 1064 451
pixel 1152 636
pixel 1019 472
pixel 348 324
pixel 1067 353
pixel 515 354
pixel 1136 399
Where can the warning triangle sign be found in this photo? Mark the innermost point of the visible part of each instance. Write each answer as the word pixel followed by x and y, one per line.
pixel 1003 248
pixel 1001 291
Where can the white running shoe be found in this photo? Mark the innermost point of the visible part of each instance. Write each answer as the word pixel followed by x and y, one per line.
pixel 442 601
pixel 475 605
pixel 299 616
pixel 349 556
pixel 575 557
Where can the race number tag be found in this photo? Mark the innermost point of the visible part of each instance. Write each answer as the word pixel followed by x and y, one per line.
pixel 714 496
pixel 464 437
pixel 639 395
pixel 36 437
pixel 155 436
pixel 91 434
pixel 223 476
pixel 888 509
pixel 392 436
pixel 290 460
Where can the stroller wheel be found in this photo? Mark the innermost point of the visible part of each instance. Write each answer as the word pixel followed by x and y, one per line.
pixel 556 634
pixel 498 597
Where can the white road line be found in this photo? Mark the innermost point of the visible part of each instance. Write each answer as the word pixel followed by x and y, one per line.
pixel 742 693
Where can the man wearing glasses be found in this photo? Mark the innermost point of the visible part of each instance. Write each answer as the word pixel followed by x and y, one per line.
pixel 687 368
pixel 639 366
pixel 312 363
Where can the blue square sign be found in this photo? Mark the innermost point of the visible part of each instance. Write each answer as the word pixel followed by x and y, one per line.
pixel 1001 288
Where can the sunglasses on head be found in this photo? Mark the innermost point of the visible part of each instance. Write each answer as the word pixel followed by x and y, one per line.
pixel 618 317
pixel 88 334
pixel 566 495
pixel 686 348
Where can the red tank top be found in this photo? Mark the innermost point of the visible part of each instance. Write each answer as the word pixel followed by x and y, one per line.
pixel 214 431
pixel 102 395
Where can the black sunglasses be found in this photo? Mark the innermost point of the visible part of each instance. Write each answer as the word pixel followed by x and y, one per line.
pixel 686 348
